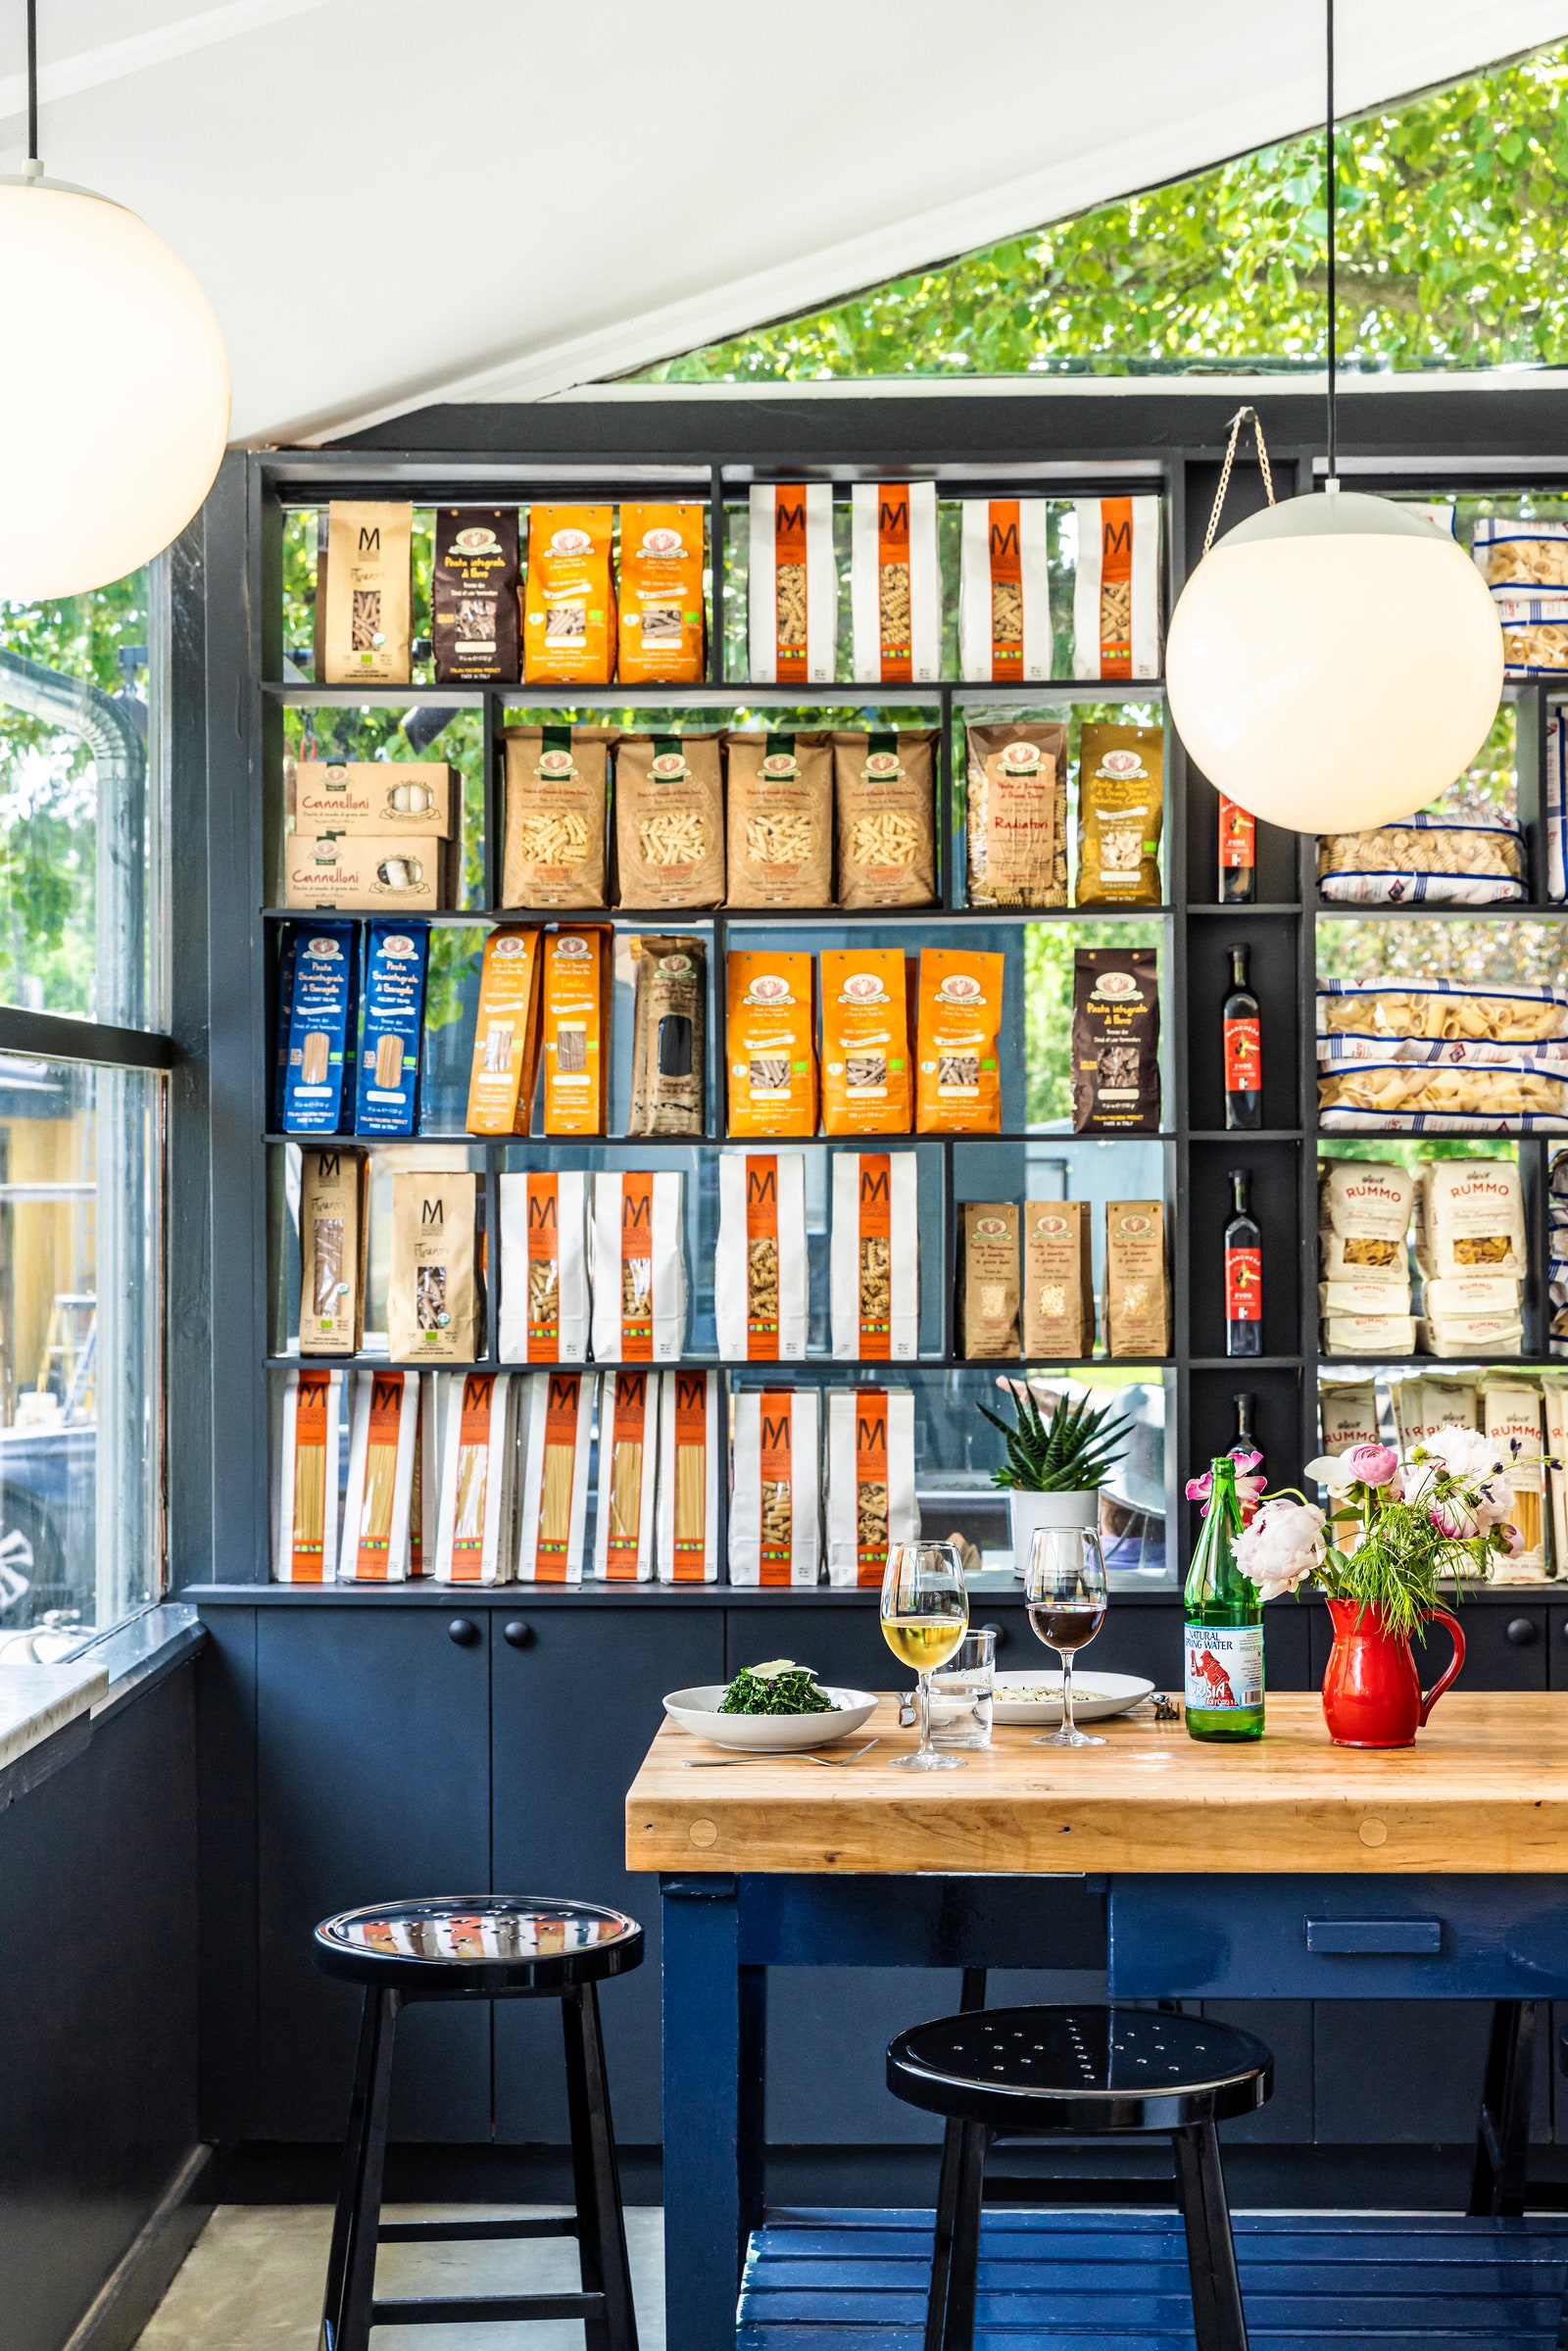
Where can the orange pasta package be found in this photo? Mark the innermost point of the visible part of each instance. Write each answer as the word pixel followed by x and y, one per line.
pixel 771 1044
pixel 957 1073
pixel 305 1522
pixel 568 605
pixel 866 1043
pixel 381 1486
pixel 578 979
pixel 506 1037
pixel 663 638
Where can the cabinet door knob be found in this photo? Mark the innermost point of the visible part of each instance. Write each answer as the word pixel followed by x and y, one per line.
pixel 1001 1631
pixel 463 1631
pixel 516 1634
pixel 1520 1631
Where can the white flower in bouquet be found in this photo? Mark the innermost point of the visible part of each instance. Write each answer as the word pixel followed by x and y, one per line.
pixel 1284 1544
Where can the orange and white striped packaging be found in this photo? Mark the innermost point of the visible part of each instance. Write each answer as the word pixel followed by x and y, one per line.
pixel 578 991
pixel 874 1261
pixel 554 1518
pixel 304 1529
pixel 381 1448
pixel 894 583
pixel 638 1268
pixel 628 1467
pixel 761 1279
pixel 688 1476
pixel 867 1082
pixel 505 1036
pixel 544 1267
pixel 770 1042
pixel 793 584
pixel 478 1493
pixel 1004 591
pixel 568 605
pixel 663 637
pixel 870 1481
pixel 775 1512
pixel 1115 601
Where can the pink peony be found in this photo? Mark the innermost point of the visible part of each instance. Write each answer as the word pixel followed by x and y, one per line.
pixel 1373 1464
pixel 1283 1544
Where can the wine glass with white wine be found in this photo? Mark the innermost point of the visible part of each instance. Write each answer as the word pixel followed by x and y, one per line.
pixel 925 1615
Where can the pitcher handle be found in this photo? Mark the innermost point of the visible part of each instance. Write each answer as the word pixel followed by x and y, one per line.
pixel 1450 1674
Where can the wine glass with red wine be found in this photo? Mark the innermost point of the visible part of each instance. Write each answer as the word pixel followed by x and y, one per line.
pixel 1065 1591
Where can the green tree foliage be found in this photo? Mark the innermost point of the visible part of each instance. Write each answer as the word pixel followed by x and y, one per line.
pixel 1448 234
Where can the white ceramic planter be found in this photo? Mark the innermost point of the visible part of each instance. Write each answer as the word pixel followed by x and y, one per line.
pixel 1027 1511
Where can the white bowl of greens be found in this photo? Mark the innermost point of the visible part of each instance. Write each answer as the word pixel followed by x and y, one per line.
pixel 778 1708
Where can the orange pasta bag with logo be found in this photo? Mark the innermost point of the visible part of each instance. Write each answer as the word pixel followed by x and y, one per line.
pixel 866 1043
pixel 957 1073
pixel 568 605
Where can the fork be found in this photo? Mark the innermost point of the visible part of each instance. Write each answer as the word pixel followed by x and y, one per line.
pixel 718 1763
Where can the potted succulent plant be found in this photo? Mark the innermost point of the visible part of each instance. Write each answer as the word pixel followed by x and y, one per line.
pixel 1054 1468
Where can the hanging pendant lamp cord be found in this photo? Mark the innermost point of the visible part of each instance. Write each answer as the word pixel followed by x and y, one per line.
pixel 33 85
pixel 1331 176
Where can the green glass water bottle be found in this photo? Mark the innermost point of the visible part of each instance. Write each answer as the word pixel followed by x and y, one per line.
pixel 1224 1624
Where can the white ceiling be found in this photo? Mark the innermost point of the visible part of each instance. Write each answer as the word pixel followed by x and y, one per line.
pixel 391 201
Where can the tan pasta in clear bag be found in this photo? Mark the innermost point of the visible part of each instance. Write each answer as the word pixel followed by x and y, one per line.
pixel 1016 815
pixel 1445 1010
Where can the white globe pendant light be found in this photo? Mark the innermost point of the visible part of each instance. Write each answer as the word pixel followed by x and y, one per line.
pixel 1334 661
pixel 114 393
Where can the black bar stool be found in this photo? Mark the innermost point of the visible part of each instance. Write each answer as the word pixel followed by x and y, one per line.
pixel 1040 2073
pixel 456 1948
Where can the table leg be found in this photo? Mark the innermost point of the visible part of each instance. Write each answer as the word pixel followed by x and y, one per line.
pixel 713 2038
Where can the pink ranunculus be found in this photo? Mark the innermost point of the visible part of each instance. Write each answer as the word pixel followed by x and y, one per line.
pixel 1374 1464
pixel 1198 1489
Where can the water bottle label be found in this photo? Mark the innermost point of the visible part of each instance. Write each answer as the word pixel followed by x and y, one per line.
pixel 1224 1667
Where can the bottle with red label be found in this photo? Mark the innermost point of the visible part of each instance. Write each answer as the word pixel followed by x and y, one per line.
pixel 1238 869
pixel 1243 1272
pixel 1243 1448
pixel 1244 1048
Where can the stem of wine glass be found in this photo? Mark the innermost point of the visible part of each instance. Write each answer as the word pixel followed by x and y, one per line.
pixel 1067 1723
pixel 923 1701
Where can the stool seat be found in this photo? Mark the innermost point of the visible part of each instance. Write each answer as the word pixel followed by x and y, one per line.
pixel 1081 2070
pixel 452 1946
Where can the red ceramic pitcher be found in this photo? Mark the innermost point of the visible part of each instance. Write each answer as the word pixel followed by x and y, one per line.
pixel 1372 1693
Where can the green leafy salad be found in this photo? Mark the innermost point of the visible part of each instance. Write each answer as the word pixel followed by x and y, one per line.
pixel 780 1687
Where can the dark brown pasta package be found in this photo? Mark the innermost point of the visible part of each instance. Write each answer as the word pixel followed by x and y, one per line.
pixel 1115 1041
pixel 886 817
pixel 474 594
pixel 669 1038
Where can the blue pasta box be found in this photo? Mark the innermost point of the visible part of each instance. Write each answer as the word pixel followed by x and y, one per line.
pixel 387 1098
pixel 322 1009
pixel 288 947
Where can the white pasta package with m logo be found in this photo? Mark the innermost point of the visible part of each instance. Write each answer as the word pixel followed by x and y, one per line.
pixel 1004 591
pixel 762 1277
pixel 894 583
pixel 638 1262
pixel 305 1521
pixel 628 1467
pixel 689 1464
pixel 478 1506
pixel 870 1481
pixel 544 1267
pixel 382 1438
pixel 1115 605
pixel 874 1257
pixel 775 1509
pixel 793 584
pixel 559 1411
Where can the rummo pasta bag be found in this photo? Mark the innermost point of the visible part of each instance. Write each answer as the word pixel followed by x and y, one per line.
pixel 761 1279
pixel 885 809
pixel 894 583
pixel 1122 771
pixel 553 1517
pixel 544 1267
pixel 1015 814
pixel 771 1042
pixel 555 836
pixel 432 1291
pixel 775 1516
pixel 369 585
pixel 1115 605
pixel 870 1481
pixel 957 1078
pixel 867 1079
pixel 477 1516
pixel 663 638
pixel 793 584
pixel 638 1268
pixel 690 1461
pixel 628 1465
pixel 669 821
pixel 568 606
pixel 780 820
pixel 874 1261
pixel 1004 591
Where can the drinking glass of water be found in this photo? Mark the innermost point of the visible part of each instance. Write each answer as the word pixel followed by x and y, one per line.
pixel 1065 1592
pixel 961 1693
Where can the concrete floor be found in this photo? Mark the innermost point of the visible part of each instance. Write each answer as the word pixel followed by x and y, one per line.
pixel 253 2281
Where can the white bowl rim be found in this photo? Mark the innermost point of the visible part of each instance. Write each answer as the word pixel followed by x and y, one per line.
pixel 846 1701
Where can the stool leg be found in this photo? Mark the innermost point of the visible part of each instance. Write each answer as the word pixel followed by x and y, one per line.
pixel 596 2178
pixel 1218 2322
pixel 963 2269
pixel 351 2264
pixel 971 1997
pixel 1497 2178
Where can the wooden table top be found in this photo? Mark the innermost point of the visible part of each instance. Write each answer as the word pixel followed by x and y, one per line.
pixel 1484 1790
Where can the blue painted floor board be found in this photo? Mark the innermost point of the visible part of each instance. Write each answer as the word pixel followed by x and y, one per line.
pixel 1110 2280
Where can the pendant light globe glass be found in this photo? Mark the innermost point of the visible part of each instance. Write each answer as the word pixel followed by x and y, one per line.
pixel 1334 663
pixel 114 396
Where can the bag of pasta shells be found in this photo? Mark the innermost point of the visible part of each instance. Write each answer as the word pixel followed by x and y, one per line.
pixel 1529 1095
pixel 669 821
pixel 780 822
pixel 557 782
pixel 1534 632
pixel 1513 552
pixel 1425 861
pixel 1448 1011
pixel 1015 814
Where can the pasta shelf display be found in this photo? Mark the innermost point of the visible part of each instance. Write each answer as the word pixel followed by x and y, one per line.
pixel 1426 860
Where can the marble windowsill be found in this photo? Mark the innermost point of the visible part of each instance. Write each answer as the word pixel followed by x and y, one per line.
pixel 37 1701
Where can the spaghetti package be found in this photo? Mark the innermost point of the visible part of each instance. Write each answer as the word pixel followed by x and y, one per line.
pixel 1058 1280
pixel 1015 814
pixel 367 640
pixel 770 1037
pixel 473 594
pixel 319 1014
pixel 568 606
pixel 554 1515
pixel 1555 1400
pixel 1348 1414
pixel 638 1268
pixel 958 1075
pixel 1004 591
pixel 793 584
pixel 780 820
pixel 761 1275
pixel 874 1261
pixel 628 1466
pixel 895 583
pixel 305 1521
pixel 1121 786
pixel 866 1078
pixel 382 1444
pixel 987 1303
pixel 1116 603
pixel 870 1481
pixel 505 1035
pixel 775 1515
pixel 556 785
pixel 578 991
pixel 663 639
pixel 884 815
pixel 669 1038
pixel 1421 1408
pixel 432 1293
pixel 473 1542
pixel 387 1096
pixel 689 1464
pixel 544 1267
pixel 669 821
pixel 334 1229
